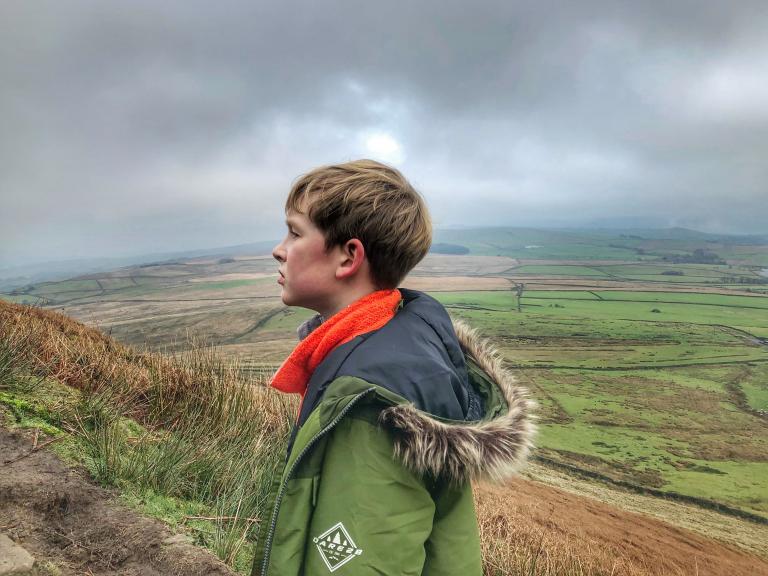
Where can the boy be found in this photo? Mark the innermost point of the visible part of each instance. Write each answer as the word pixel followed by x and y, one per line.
pixel 400 409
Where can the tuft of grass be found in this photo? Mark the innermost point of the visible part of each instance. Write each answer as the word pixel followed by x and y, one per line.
pixel 516 545
pixel 217 443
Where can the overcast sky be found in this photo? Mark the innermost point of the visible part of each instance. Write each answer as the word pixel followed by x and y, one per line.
pixel 135 127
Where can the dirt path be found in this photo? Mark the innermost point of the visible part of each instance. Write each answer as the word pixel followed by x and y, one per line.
pixel 62 518
pixel 607 537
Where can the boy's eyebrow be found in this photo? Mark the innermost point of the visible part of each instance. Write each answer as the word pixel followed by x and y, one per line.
pixel 290 221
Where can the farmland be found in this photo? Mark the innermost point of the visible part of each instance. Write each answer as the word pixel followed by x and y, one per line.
pixel 673 399
pixel 650 370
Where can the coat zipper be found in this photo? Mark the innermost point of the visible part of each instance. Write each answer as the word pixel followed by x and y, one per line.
pixel 273 521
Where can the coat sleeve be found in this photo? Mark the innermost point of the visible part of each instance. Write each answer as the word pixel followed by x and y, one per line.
pixel 371 515
pixel 393 522
pixel 453 546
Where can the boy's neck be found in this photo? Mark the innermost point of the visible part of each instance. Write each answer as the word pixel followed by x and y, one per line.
pixel 347 297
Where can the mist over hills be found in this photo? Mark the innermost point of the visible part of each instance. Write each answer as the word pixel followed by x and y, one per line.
pixel 14 276
pixel 519 242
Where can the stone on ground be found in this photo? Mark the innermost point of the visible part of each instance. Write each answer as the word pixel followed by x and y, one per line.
pixel 14 560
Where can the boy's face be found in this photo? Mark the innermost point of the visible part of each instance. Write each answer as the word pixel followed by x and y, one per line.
pixel 307 270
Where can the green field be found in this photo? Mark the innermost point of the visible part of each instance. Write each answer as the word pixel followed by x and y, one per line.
pixel 566 270
pixel 650 272
pixel 29 299
pixel 227 284
pixel 597 312
pixel 68 286
pixel 647 397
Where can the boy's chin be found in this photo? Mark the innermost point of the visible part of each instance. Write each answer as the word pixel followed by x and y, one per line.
pixel 298 302
pixel 290 300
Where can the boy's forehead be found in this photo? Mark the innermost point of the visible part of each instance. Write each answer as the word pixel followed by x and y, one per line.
pixel 292 217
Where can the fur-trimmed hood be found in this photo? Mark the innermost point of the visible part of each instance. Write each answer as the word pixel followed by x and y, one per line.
pixel 463 416
pixel 489 448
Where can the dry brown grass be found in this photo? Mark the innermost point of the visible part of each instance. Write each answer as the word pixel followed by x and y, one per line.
pixel 731 530
pixel 518 544
pixel 74 354
pixel 58 347
pixel 529 529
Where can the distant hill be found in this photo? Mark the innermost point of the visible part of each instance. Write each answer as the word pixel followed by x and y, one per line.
pixel 514 242
pixel 674 244
pixel 444 248
pixel 18 276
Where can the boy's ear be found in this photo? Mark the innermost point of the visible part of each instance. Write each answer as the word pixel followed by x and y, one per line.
pixel 352 258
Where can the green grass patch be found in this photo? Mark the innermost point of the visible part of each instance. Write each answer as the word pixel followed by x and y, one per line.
pixel 564 294
pixel 695 329
pixel 116 283
pixel 654 269
pixel 29 299
pixel 727 301
pixel 736 315
pixel 754 384
pixel 707 381
pixel 52 288
pixel 557 270
pixel 658 431
pixel 227 284
pixel 757 395
pixel 288 319
pixel 738 483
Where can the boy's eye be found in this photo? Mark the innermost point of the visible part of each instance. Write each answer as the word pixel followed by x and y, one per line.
pixel 292 233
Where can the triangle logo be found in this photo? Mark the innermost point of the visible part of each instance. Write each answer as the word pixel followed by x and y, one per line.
pixel 336 547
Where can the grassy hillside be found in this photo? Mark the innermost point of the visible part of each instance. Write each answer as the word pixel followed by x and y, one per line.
pixel 186 439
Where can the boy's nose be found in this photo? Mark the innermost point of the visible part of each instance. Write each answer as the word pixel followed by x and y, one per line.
pixel 278 253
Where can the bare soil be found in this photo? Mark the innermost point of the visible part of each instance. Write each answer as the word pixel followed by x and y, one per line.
pixel 60 517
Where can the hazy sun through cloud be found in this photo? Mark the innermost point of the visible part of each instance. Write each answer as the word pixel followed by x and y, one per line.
pixel 564 115
pixel 385 148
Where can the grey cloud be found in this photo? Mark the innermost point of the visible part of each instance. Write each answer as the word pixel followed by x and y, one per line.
pixel 193 118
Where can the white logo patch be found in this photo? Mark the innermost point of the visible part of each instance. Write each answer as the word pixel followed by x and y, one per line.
pixel 336 547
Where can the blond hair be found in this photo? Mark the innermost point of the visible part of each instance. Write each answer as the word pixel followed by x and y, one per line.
pixel 374 203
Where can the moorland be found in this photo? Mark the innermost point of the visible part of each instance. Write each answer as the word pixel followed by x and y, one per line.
pixel 647 351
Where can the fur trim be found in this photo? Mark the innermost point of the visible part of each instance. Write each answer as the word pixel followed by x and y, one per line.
pixel 486 449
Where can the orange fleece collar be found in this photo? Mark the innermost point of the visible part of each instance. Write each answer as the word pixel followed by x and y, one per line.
pixel 369 313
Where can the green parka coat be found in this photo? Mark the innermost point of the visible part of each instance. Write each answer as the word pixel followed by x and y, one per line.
pixel 394 427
